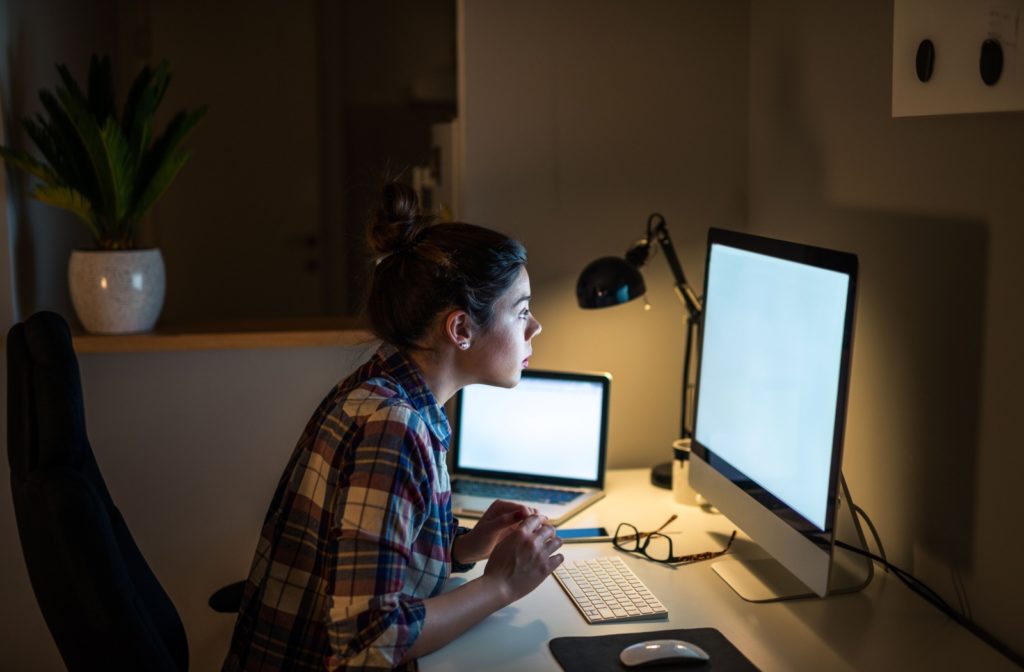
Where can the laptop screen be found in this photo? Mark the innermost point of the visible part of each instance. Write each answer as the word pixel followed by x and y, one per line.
pixel 552 427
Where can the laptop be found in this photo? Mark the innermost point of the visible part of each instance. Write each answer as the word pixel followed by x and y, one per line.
pixel 542 443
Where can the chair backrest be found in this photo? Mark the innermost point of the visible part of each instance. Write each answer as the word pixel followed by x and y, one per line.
pixel 103 605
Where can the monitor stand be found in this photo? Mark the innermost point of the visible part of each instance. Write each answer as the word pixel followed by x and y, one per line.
pixel 766 580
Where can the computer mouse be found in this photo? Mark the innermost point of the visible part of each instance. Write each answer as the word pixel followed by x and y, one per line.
pixel 662 652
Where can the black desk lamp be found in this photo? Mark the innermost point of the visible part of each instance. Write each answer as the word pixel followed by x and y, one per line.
pixel 610 281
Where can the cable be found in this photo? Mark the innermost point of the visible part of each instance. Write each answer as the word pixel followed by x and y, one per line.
pixel 967 600
pixel 931 596
pixel 961 594
pixel 961 591
pixel 874 533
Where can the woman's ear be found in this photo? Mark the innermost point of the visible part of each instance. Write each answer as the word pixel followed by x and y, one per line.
pixel 458 329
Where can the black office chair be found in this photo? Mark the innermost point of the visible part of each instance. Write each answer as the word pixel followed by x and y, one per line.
pixel 103 605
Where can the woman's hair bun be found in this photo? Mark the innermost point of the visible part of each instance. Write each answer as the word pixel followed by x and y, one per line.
pixel 399 221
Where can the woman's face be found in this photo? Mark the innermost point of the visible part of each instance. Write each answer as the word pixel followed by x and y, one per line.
pixel 502 351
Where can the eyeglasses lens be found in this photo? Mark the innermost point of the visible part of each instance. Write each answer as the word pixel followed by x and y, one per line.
pixel 627 537
pixel 659 547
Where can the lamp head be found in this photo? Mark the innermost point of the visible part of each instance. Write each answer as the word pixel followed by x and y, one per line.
pixel 609 281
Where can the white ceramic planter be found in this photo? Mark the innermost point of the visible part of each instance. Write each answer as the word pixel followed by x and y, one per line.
pixel 117 292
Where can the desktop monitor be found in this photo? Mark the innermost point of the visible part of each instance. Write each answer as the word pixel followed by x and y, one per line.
pixel 770 407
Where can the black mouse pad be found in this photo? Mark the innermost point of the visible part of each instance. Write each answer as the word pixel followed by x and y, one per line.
pixel 601 653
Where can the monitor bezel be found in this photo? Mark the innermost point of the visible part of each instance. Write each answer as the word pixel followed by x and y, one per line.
pixel 818 257
pixel 604 379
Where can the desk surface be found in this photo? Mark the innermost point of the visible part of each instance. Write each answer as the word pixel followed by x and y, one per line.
pixel 885 626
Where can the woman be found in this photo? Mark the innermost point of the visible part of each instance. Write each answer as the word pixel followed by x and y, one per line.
pixel 359 539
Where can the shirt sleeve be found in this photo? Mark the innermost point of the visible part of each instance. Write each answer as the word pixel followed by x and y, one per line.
pixel 460 566
pixel 371 622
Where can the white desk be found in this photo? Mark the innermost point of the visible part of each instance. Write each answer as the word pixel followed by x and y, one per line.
pixel 883 627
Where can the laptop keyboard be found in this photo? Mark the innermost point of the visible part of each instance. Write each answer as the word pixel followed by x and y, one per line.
pixel 523 493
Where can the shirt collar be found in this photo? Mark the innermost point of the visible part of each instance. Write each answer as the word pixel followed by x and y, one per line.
pixel 415 389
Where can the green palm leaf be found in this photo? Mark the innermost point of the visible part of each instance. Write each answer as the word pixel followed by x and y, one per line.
pixel 155 175
pixel 70 85
pixel 162 179
pixel 68 199
pixel 74 167
pixel 146 93
pixel 101 89
pixel 23 161
pixel 91 137
pixel 40 134
pixel 121 160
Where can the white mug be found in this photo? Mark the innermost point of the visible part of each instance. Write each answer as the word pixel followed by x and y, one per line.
pixel 681 490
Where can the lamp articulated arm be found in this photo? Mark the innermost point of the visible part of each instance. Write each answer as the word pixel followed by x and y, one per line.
pixel 686 294
pixel 657 228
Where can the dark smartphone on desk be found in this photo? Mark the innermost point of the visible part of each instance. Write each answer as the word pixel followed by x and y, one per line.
pixel 583 534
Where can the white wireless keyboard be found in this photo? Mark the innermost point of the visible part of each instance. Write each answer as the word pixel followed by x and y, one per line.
pixel 606 590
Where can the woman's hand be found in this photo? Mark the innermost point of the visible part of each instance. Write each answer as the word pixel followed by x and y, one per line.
pixel 500 518
pixel 520 561
pixel 523 558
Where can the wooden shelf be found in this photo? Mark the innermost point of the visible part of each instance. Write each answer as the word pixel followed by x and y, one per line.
pixel 235 335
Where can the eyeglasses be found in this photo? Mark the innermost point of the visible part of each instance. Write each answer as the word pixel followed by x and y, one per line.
pixel 658 546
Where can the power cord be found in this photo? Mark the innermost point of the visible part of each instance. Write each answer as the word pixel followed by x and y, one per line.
pixel 934 598
pixel 874 533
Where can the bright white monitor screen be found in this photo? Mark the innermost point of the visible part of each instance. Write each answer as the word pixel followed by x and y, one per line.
pixel 772 344
pixel 544 427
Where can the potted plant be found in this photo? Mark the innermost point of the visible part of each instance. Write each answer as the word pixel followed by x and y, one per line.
pixel 108 167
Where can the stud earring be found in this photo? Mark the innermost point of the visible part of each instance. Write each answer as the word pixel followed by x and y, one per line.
pixel 464 345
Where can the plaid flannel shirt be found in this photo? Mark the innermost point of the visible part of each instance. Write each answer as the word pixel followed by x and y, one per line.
pixel 359 531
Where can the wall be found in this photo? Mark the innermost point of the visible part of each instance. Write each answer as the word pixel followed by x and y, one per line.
pixel 234 226
pixel 191 445
pixel 933 207
pixel 396 77
pixel 310 102
pixel 579 120
pixel 8 307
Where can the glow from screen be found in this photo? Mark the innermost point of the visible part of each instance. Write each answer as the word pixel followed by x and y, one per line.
pixel 769 380
pixel 544 427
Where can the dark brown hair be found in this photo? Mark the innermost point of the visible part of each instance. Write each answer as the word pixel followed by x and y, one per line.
pixel 426 268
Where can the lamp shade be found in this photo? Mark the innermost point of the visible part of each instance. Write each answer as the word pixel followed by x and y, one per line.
pixel 608 281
